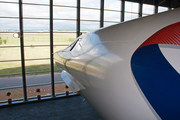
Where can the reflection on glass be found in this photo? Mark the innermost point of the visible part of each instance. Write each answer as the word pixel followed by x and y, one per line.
pixel 12 12
pixel 112 16
pixel 162 9
pixel 130 16
pixel 64 13
pixel 112 4
pixel 148 9
pixel 90 3
pixel 36 11
pixel 87 14
pixel 131 7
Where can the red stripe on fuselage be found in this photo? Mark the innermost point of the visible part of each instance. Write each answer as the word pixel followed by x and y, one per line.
pixel 167 35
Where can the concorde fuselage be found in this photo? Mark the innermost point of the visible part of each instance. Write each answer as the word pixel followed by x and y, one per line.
pixel 128 71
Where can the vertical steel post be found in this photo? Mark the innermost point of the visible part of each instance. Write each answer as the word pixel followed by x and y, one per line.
pixel 156 6
pixel 22 49
pixel 102 14
pixel 122 10
pixel 169 5
pixel 78 19
pixel 140 7
pixel 51 49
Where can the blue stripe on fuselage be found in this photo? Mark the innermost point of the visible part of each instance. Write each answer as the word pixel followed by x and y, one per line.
pixel 158 80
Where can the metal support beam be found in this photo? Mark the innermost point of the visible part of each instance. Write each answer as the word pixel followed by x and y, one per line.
pixel 122 10
pixel 169 5
pixel 78 19
pixel 102 14
pixel 51 49
pixel 140 7
pixel 22 49
pixel 156 6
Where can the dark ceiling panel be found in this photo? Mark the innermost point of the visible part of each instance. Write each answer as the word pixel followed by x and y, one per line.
pixel 165 3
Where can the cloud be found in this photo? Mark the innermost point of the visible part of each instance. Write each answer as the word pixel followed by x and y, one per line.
pixel 9 24
pixel 112 5
pixel 148 9
pixel 35 11
pixel 64 13
pixel 12 11
pixel 90 3
pixel 131 7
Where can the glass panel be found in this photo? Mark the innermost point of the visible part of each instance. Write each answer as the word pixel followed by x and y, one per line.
pixel 63 38
pixel 10 53
pixel 89 26
pixel 15 94
pixel 148 9
pixel 9 24
pixel 63 12
pixel 11 0
pixel 56 69
pixel 90 3
pixel 44 90
pixel 112 4
pixel 10 67
pixel 8 39
pixel 162 9
pixel 36 1
pixel 12 12
pixel 38 65
pixel 131 7
pixel 36 11
pixel 130 16
pixel 144 15
pixel 87 14
pixel 65 2
pixel 112 16
pixel 34 52
pixel 36 38
pixel 106 24
pixel 60 88
pixel 61 25
pixel 36 25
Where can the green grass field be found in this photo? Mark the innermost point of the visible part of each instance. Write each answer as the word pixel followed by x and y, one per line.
pixel 31 52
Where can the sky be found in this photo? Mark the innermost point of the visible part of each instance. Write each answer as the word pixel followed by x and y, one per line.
pixel 35 11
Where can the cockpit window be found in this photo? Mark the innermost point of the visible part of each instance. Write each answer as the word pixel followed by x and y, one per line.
pixel 71 46
pixel 77 46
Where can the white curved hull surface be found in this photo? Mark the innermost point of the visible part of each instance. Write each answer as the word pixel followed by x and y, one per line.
pixel 127 71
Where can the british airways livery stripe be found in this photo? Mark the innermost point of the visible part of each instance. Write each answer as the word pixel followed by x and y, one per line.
pixel 157 78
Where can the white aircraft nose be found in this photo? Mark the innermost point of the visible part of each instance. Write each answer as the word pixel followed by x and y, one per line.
pixel 172 55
